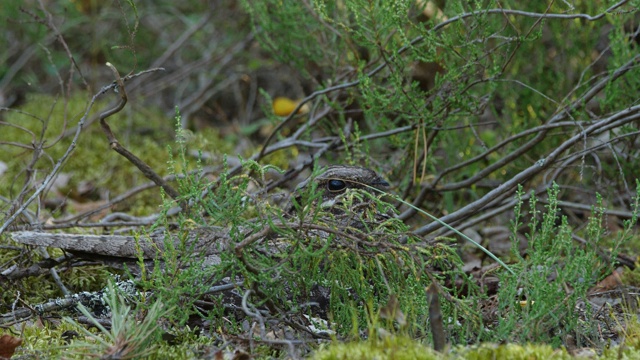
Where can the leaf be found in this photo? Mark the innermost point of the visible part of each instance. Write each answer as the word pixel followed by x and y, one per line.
pixel 8 345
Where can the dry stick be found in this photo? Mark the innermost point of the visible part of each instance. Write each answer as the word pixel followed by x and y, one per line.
pixel 115 145
pixel 205 92
pixel 238 250
pixel 504 161
pixel 123 197
pixel 573 157
pixel 58 166
pixel 179 42
pixel 212 64
pixel 499 205
pixel 22 314
pixel 435 318
pixel 427 188
pixel 129 77
pixel 562 113
pixel 38 145
pixel 47 181
pixel 113 201
pixel 52 26
pixel 623 117
pixel 554 121
pixel 23 59
pixel 540 136
pixel 40 268
pixel 29 173
pixel 273 308
pixel 495 148
pixel 293 140
pixel 106 224
pixel 606 254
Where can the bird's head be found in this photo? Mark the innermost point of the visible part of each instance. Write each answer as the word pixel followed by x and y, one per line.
pixel 336 180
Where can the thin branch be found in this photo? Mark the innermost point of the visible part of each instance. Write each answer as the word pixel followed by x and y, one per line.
pixel 115 145
pixel 623 117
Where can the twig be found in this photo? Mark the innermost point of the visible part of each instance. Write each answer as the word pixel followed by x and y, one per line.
pixel 54 172
pixel 435 318
pixel 623 117
pixel 57 167
pixel 115 145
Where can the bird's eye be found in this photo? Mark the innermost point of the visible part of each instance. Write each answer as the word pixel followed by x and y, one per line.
pixel 336 185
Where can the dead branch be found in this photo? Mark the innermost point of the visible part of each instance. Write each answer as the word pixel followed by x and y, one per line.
pixel 115 145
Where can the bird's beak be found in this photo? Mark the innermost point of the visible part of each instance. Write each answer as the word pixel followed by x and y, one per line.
pixel 380 182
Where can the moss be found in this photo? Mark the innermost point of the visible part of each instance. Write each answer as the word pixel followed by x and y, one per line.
pixel 146 133
pixel 91 163
pixel 45 340
pixel 512 351
pixel 621 352
pixel 631 277
pixel 397 348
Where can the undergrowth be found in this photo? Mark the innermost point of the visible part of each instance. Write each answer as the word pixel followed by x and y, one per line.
pixel 545 301
pixel 499 97
pixel 361 271
pixel 365 269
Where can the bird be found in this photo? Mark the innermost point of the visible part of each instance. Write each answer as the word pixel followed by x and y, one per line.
pixel 328 213
pixel 332 184
pixel 336 180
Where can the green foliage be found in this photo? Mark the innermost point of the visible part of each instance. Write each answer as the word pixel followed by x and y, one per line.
pixel 288 25
pixel 497 75
pixel 393 347
pixel 509 72
pixel 362 265
pixel 94 32
pixel 191 278
pixel 513 351
pixel 132 335
pixel 539 302
pixel 630 239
